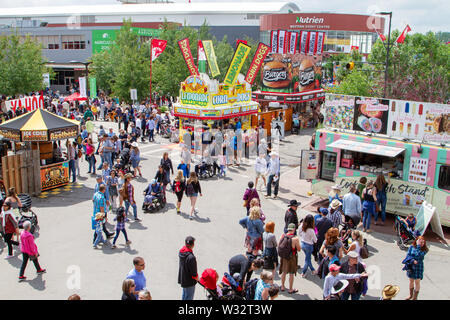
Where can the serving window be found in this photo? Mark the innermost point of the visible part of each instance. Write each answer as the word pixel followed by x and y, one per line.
pixel 372 163
pixel 444 178
pixel 328 167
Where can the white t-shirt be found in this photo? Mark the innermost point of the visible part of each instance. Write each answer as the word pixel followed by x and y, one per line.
pixel 309 236
pixel 260 165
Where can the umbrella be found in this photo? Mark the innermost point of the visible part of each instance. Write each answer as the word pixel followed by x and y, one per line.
pixel 75 97
pixel 39 125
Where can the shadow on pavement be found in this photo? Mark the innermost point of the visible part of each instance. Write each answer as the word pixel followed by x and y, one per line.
pixel 136 225
pixel 37 283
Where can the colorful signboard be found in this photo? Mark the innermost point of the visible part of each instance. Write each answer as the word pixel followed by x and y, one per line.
pixel 62 134
pixel 30 103
pixel 10 135
pixel 34 135
pixel 211 57
pixel 371 115
pixel 187 55
pixel 194 91
pixel 261 52
pixel 291 73
pixel 236 64
pixel 339 111
pixel 54 175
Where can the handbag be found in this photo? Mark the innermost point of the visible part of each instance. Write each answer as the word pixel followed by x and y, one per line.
pixel 364 252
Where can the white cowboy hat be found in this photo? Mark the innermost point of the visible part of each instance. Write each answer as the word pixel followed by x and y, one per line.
pixel 135 144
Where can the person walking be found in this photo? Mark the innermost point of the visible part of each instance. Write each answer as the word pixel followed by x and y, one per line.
pixel 128 290
pixel 381 187
pixel 187 270
pixel 111 183
pixel 90 154
pixel 368 208
pixel 99 223
pixel 9 227
pixel 193 189
pixel 161 178
pixel 29 251
pixel 355 286
pixel 288 248
pixel 71 154
pixel 273 172
pixel 351 205
pixel 135 157
pixel 335 213
pixel 120 226
pixel 167 165
pixel 416 254
pixel 260 169
pixel 151 129
pixel 137 275
pixel 128 196
pixel 255 230
pixel 308 238
pixel 323 224
pixel 178 187
pixel 249 194
pixel 100 205
pixel 270 254
pixel 291 216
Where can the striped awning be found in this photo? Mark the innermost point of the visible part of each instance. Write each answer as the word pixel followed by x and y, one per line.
pixel 363 147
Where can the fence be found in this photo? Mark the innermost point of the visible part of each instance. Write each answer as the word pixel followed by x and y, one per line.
pixel 22 171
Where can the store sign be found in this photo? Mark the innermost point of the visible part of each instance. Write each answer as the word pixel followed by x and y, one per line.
pixel 105 39
pixel 236 64
pixel 187 55
pixel 29 103
pixel 261 52
pixel 62 134
pixel 194 91
pixel 291 73
pixel 54 175
pixel 371 115
pixel 219 99
pixel 231 111
pixel 11 135
pixel 187 111
pixel 211 57
pixel 339 111
pixel 211 113
pixel 34 135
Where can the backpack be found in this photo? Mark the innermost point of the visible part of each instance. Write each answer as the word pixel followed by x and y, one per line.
pixel 177 186
pixel 250 289
pixel 364 251
pixel 189 189
pixel 285 247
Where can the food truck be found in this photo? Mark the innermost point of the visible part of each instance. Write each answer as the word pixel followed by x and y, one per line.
pixel 417 168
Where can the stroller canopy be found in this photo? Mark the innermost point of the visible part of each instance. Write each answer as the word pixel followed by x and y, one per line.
pixel 209 279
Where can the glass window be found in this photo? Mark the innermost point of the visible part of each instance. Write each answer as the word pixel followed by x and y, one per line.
pixel 328 169
pixel 74 42
pixel 444 178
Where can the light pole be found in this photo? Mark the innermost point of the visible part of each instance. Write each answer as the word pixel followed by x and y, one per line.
pixel 388 47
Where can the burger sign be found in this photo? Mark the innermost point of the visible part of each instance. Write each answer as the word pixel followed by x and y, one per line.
pixel 290 73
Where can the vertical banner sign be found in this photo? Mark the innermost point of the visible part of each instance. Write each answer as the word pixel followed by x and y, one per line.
pixel 82 82
pixel 187 55
pixel 46 78
pixel 281 40
pixel 258 59
pixel 303 42
pixel 236 64
pixel 274 41
pixel 320 41
pixel 312 43
pixel 287 42
pixel 92 87
pixel 211 57
pixel 292 42
pixel 201 57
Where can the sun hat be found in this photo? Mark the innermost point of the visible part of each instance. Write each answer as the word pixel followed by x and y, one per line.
pixel 335 204
pixel 352 254
pixel 339 286
pixel 273 153
pixel 390 291
pixel 128 175
pixel 291 226
pixel 336 187
pixel 135 144
pixel 334 267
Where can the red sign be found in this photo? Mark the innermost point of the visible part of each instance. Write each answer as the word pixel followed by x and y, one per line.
pixel 258 59
pixel 29 103
pixel 158 47
pixel 187 55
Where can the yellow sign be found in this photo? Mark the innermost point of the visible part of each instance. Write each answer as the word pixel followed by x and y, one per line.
pixel 194 91
pixel 236 64
pixel 211 56
pixel 342 42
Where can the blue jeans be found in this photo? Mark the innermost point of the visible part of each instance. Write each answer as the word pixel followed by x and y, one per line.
pixel 188 293
pixel 368 211
pixel 102 157
pixel 269 185
pixel 108 158
pixel 98 237
pixel 307 249
pixel 381 200
pixel 346 295
pixel 117 235
pixel 91 160
pixel 73 170
pixel 127 206
pixel 150 135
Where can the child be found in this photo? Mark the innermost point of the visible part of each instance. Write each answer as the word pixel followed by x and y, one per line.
pixel 105 171
pixel 99 217
pixel 183 166
pixel 112 182
pixel 222 164
pixel 120 226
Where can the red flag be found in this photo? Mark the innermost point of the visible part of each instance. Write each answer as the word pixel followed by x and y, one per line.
pixel 158 46
pixel 382 37
pixel 402 37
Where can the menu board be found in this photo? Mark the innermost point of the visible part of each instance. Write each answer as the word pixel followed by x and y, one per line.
pixel 371 115
pixel 339 111
pixel 418 170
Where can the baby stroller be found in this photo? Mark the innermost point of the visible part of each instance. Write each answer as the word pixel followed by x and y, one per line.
pixel 404 234
pixel 165 129
pixel 208 280
pixel 125 163
pixel 26 214
pixel 230 287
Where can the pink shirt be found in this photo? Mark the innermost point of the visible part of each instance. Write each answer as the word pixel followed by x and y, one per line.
pixel 27 244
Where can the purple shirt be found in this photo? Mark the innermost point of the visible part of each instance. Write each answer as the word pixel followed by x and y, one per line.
pixel 249 195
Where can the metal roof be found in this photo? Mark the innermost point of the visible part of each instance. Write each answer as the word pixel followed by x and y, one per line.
pixel 152 9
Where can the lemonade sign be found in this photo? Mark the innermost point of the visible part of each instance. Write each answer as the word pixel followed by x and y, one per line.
pixel 194 91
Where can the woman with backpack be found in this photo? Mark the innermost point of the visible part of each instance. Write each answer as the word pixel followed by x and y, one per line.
pixel 309 238
pixel 250 194
pixel 288 248
pixel 192 190
pixel 178 186
pixel 255 230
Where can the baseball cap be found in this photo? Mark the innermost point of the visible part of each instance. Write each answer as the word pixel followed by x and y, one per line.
pixel 189 240
pixel 334 267
pixel 291 226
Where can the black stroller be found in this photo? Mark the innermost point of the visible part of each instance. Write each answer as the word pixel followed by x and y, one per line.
pixel 124 164
pixel 405 236
pixel 26 214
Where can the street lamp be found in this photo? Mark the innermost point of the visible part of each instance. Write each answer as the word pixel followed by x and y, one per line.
pixel 388 47
pixel 86 64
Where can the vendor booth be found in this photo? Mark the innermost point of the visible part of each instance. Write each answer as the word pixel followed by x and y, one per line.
pixel 37 130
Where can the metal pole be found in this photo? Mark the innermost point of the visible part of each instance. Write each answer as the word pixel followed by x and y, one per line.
pixel 387 56
pixel 151 62
pixel 87 80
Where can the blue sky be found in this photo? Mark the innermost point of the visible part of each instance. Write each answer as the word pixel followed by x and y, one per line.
pixel 421 15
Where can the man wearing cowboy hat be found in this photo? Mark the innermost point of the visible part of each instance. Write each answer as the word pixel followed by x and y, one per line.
pixel 389 292
pixel 356 286
pixel 338 290
pixel 273 172
pixel 334 276
pixel 335 213
pixel 291 216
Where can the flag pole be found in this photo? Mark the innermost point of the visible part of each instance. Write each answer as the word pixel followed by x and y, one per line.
pixel 151 62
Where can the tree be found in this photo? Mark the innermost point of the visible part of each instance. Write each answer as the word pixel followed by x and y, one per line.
pixel 21 65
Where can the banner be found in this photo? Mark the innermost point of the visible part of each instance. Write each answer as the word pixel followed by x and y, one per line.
pixel 261 52
pixel 29 103
pixel 312 43
pixel 187 55
pixel 303 42
pixel 293 36
pixel 46 78
pixel 371 115
pixel 236 64
pixel 82 83
pixel 290 73
pixel 211 57
pixel 281 40
pixel 339 111
pixel 158 46
pixel 320 42
pixel 92 87
pixel 274 41
pixel 201 57
pixel 54 175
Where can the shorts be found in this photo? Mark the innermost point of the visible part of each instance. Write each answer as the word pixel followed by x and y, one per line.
pixel 260 174
pixel 195 194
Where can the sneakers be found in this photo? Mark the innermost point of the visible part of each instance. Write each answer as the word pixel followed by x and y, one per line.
pixel 41 271
pixel 196 210
pixel 113 246
pixel 128 242
pixel 266 196
pixel 8 257
pixel 191 217
pixel 137 219
pixel 275 197
pixel 22 278
pixel 178 211
pixel 95 247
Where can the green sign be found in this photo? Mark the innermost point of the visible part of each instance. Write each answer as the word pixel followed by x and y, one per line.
pixel 104 39
pixel 92 87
